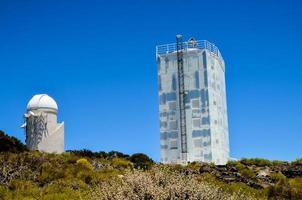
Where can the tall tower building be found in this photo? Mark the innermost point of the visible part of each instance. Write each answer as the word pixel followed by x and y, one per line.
pixel 42 130
pixel 192 102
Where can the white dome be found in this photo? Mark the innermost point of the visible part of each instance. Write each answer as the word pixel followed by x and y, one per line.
pixel 42 101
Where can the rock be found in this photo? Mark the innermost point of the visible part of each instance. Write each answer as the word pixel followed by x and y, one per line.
pixel 254 185
pixel 205 169
pixel 230 179
pixel 293 171
pixel 97 165
pixel 188 171
pixel 264 173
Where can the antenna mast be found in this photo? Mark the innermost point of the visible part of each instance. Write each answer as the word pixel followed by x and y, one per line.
pixel 181 97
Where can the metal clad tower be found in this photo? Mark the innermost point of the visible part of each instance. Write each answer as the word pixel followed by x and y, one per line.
pixel 192 103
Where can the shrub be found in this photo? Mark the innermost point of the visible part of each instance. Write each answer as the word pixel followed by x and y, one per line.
pixel 141 161
pixel 276 177
pixel 51 172
pixel 10 144
pixel 237 164
pixel 55 191
pixel 82 153
pixel 121 163
pixel 248 173
pixel 234 188
pixel 84 163
pixel 101 154
pixel 161 183
pixel 296 183
pixel 108 174
pixel 256 161
pixel 21 189
pixel 278 162
pixel 297 162
pixel 194 165
pixel 85 176
pixel 116 154
pixel 286 189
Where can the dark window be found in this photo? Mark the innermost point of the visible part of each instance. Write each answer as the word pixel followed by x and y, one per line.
pixel 201 133
pixel 197 79
pixel 159 83
pixel 171 96
pixel 173 134
pixel 174 82
pixel 205 120
pixel 162 99
pixel 164 146
pixel 163 135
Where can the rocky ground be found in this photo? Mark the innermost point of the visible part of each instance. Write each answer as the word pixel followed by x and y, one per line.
pixel 263 178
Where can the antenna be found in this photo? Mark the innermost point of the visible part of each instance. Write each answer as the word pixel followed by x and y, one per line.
pixel 181 97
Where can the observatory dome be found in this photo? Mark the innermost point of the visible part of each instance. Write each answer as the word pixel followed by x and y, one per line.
pixel 42 101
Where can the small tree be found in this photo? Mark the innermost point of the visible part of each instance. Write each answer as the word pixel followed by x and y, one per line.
pixel 10 144
pixel 141 161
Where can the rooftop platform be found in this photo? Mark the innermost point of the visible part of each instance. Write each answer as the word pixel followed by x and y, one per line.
pixel 199 44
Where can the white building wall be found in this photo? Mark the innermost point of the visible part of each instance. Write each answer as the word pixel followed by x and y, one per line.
pixel 48 139
pixel 206 115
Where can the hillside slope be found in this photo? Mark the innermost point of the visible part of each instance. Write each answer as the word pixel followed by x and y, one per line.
pixel 88 175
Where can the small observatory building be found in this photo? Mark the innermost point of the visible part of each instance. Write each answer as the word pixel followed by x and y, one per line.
pixel 42 130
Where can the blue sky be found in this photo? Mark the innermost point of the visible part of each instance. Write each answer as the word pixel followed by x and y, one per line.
pixel 97 59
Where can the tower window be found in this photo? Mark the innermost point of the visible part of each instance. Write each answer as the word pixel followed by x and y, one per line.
pixel 195 103
pixel 174 82
pixel 172 105
pixel 196 123
pixel 205 120
pixel 173 125
pixel 198 143
pixel 197 79
pixel 173 144
pixel 159 83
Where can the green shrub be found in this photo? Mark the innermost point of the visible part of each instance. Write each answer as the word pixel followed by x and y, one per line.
pixel 51 172
pixel 141 161
pixel 286 189
pixel 241 187
pixel 194 165
pixel 55 191
pixel 121 163
pixel 107 174
pixel 248 173
pixel 11 144
pixel 21 189
pixel 297 162
pixel 278 162
pixel 256 161
pixel 276 177
pixel 237 164
pixel 71 183
pixel 83 162
pixel 85 176
pixel 296 183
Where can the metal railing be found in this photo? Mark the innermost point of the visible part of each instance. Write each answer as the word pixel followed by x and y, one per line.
pixel 199 44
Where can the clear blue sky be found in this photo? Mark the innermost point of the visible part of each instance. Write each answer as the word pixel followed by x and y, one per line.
pixel 97 60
